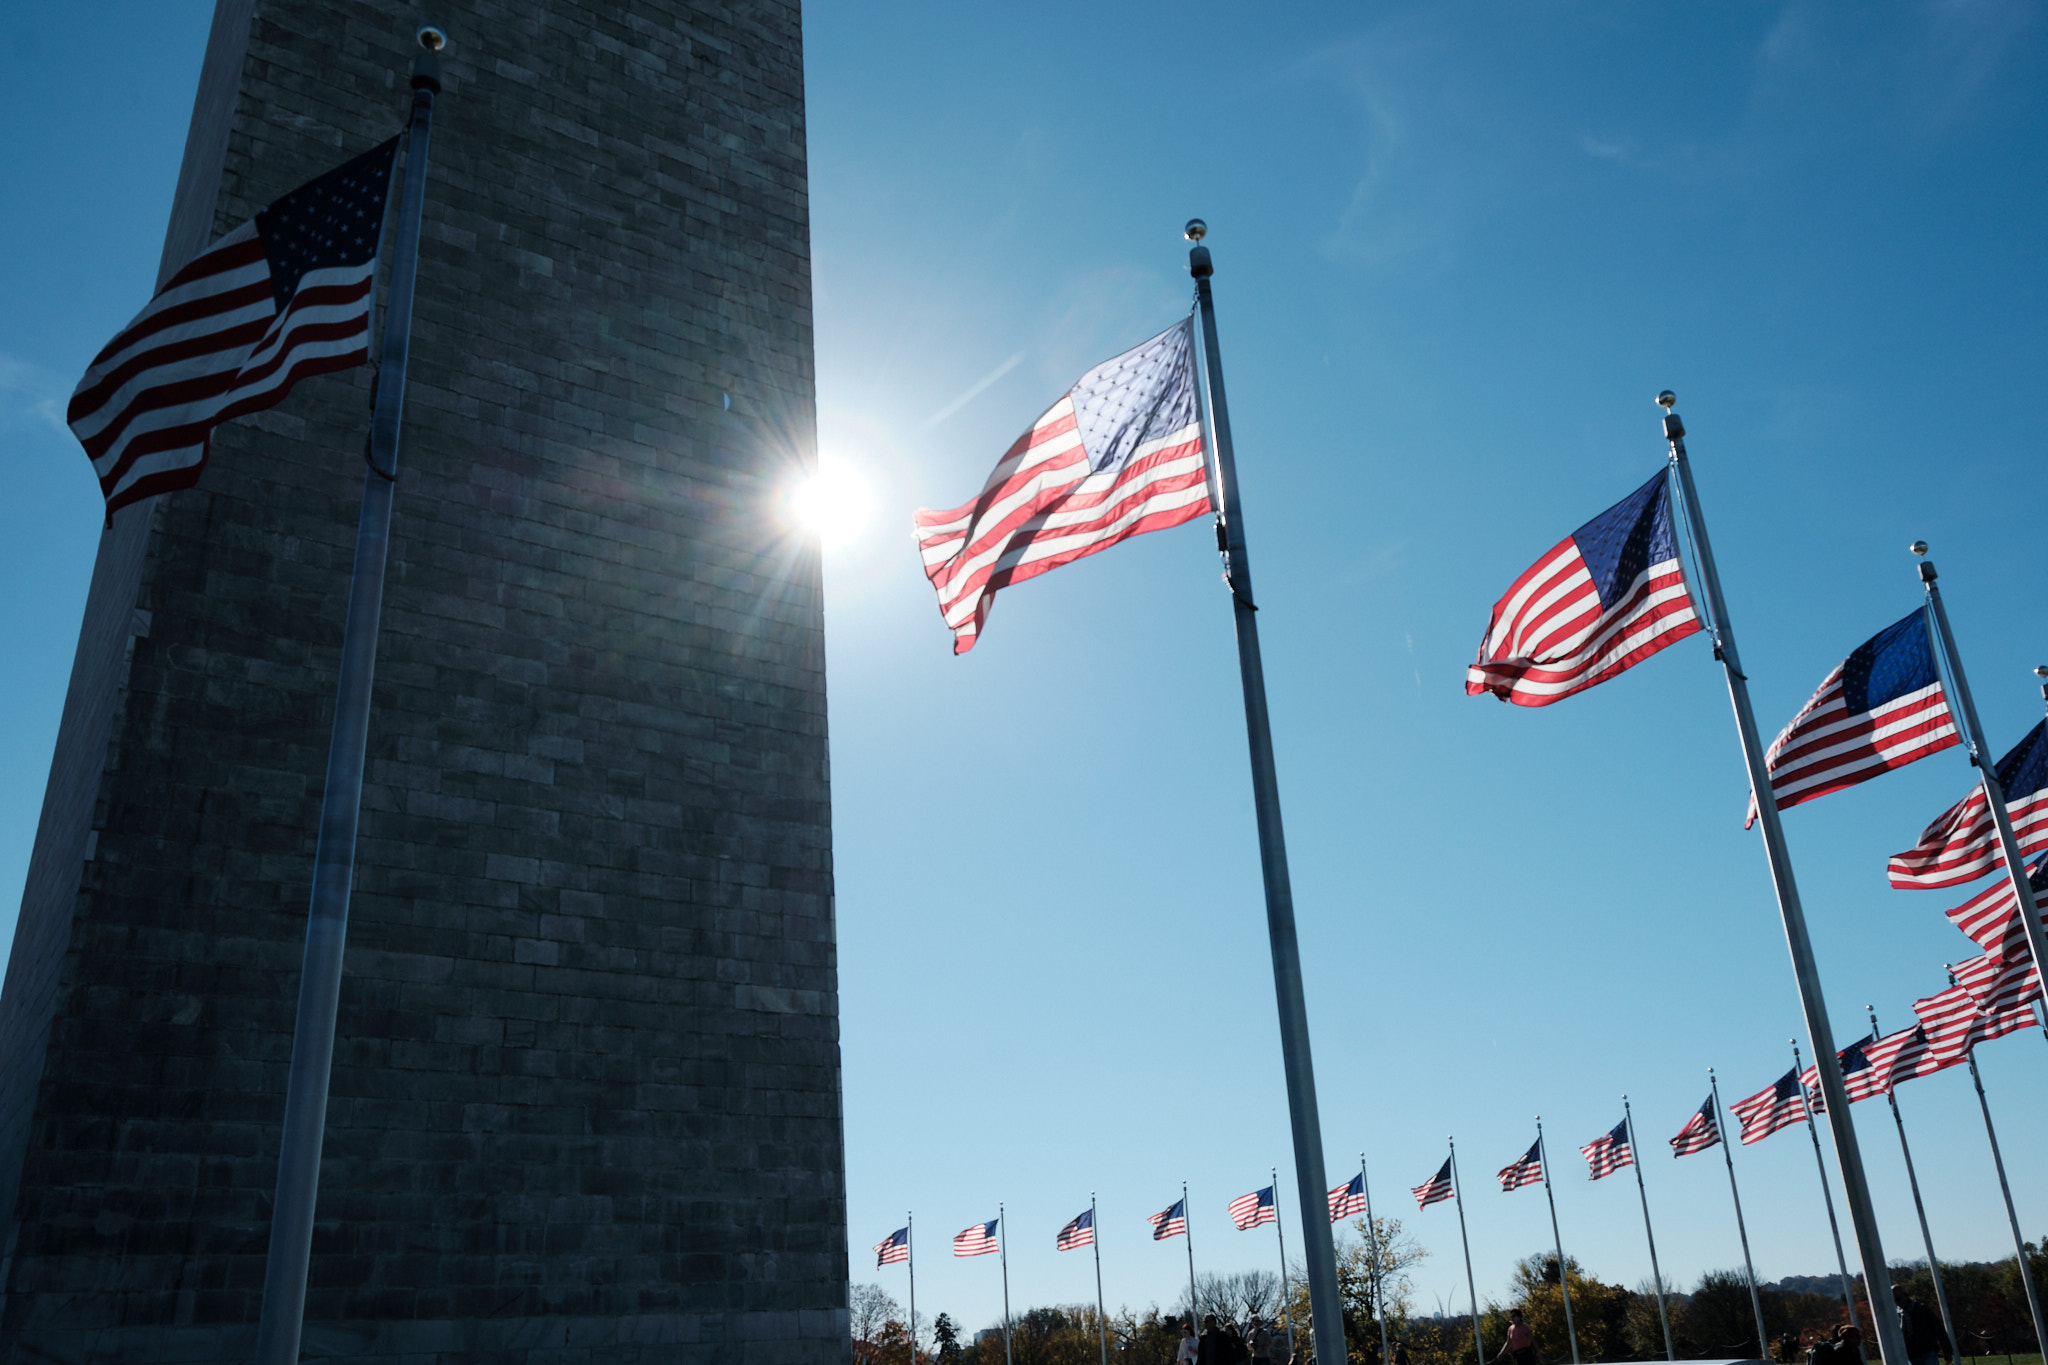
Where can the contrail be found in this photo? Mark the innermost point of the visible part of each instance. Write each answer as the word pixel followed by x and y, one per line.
pixel 973 393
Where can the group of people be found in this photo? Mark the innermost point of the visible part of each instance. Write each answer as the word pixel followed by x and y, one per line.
pixel 1926 1339
pixel 1221 1343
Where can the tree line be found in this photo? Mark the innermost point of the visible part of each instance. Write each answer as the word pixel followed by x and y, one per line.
pixel 1614 1322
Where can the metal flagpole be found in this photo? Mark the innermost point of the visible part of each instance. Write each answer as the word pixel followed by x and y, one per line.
pixel 1458 1194
pixel 2012 1218
pixel 1564 1281
pixel 1188 1232
pixel 910 1260
pixel 1756 1306
pixel 1003 1251
pixel 1948 1323
pixel 1987 773
pixel 1827 1196
pixel 1635 1159
pixel 1326 1308
pixel 1805 972
pixel 1372 1244
pixel 1101 1313
pixel 1286 1294
pixel 305 1102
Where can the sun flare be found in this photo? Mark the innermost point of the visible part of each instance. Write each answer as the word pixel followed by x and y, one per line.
pixel 833 503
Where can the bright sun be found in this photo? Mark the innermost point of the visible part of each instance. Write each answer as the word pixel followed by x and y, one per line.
pixel 834 503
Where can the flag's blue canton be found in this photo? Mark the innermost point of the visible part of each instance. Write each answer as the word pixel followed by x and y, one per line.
pixel 334 221
pixel 1145 394
pixel 1852 1058
pixel 1266 1197
pixel 2025 770
pixel 1897 660
pixel 1619 1137
pixel 1628 538
pixel 1787 1086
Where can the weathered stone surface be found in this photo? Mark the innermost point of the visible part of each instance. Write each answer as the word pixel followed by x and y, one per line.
pixel 586 1093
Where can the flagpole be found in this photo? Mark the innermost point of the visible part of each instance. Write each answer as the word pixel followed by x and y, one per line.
pixel 1891 1093
pixel 1805 972
pixel 1656 1275
pixel 1188 1232
pixel 1756 1306
pixel 1827 1197
pixel 1372 1244
pixel 1003 1252
pixel 1458 1194
pixel 1564 1280
pixel 290 1254
pixel 1326 1308
pixel 2011 1217
pixel 1987 772
pixel 910 1260
pixel 1286 1293
pixel 1101 1313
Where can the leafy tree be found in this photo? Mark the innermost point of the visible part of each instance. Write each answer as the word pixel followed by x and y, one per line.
pixel 946 1338
pixel 868 1307
pixel 1599 1310
pixel 1372 1277
pixel 1645 1329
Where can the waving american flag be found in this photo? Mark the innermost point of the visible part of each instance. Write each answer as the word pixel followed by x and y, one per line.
pixel 1079 1232
pixel 1962 844
pixel 1436 1189
pixel 1880 709
pixel 1121 453
pixel 979 1240
pixel 1527 1169
pixel 1609 1152
pixel 1778 1105
pixel 1700 1131
pixel 283 296
pixel 1250 1210
pixel 893 1248
pixel 1170 1222
pixel 1605 598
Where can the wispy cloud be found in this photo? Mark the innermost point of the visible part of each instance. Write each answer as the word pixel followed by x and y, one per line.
pixel 974 391
pixel 31 396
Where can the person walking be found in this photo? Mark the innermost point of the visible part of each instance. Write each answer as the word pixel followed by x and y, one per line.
pixel 1521 1342
pixel 1258 1342
pixel 1843 1346
pixel 1189 1346
pixel 1401 1351
pixel 1926 1342
pixel 1213 1348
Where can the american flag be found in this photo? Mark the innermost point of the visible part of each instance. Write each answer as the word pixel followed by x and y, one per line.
pixel 1250 1210
pixel 1861 1078
pixel 1962 843
pixel 1954 1024
pixel 1169 1222
pixel 1916 1057
pixel 979 1240
pixel 2000 981
pixel 1607 597
pixel 1991 918
pixel 1436 1189
pixel 1609 1152
pixel 1079 1232
pixel 1700 1131
pixel 285 295
pixel 1120 453
pixel 1348 1199
pixel 893 1248
pixel 1526 1169
pixel 1880 709
pixel 1776 1106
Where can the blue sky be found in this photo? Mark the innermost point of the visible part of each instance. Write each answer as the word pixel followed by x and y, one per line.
pixel 1459 247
